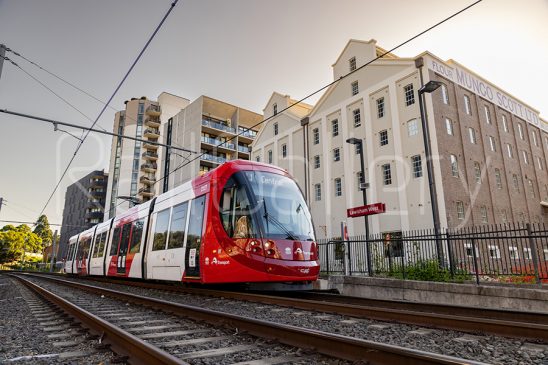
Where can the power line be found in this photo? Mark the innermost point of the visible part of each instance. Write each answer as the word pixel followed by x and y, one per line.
pixel 88 129
pixel 329 84
pixel 110 99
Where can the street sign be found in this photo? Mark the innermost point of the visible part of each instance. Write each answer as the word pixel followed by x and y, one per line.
pixel 366 210
pixel 364 186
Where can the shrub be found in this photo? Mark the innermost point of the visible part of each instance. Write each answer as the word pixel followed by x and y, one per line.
pixel 428 270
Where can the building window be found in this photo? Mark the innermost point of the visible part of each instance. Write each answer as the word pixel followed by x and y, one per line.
pixel 357 118
pixel 317 161
pixel 409 94
pixel 449 126
pixel 336 154
pixel 520 131
pixel 316 134
pixel 275 129
pixel 412 128
pixel 359 175
pixel 539 163
pixel 269 156
pixel 472 134
pixel 535 141
pixel 494 252
pixel 467 105
pixel 498 179
pixel 386 174
pixel 338 187
pixel 258 158
pixel 525 157
pixel 352 63
pixel 454 166
pixel 416 163
pixel 531 187
pixel 275 109
pixel 317 192
pixel 516 182
pixel 380 107
pixel 444 94
pixel 527 253
pixel 355 88
pixel 504 123
pixel 358 148
pixel 513 251
pixel 509 150
pixel 477 172
pixel 284 150
pixel 487 114
pixel 492 144
pixel 335 127
pixel 383 137
pixel 460 210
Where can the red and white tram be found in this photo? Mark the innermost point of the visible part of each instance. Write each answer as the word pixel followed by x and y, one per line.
pixel 243 222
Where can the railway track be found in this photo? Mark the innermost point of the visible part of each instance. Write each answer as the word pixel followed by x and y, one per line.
pixel 134 340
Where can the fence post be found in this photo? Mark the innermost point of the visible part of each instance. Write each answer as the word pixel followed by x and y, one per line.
pixel 327 256
pixel 450 254
pixel 475 260
pixel 533 247
pixel 348 245
pixel 368 258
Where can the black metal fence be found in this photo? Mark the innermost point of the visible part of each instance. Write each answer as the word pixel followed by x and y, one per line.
pixel 505 253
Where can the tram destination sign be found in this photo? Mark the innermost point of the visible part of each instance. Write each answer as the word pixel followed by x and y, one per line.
pixel 366 210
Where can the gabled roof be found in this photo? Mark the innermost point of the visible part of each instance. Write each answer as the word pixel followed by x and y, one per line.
pixel 371 41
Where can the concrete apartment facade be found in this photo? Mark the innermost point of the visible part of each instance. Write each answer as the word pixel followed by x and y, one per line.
pixel 202 127
pixel 471 123
pixel 84 206
pixel 134 164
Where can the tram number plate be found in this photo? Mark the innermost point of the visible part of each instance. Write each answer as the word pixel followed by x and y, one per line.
pixel 192 257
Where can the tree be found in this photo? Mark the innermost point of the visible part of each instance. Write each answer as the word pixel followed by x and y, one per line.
pixel 14 241
pixel 43 231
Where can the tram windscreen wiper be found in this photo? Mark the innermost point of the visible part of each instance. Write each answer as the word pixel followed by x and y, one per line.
pixel 277 223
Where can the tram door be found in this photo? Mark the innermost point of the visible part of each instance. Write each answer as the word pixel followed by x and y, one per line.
pixel 194 238
pixel 122 252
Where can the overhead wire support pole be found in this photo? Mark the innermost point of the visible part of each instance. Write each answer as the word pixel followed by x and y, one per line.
pixel 57 123
pixel 2 56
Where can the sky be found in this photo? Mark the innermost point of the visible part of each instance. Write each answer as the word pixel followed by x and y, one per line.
pixel 238 51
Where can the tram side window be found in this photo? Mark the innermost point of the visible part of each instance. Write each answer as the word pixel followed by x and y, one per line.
pixel 136 235
pixel 124 243
pixel 73 252
pixel 196 222
pixel 235 213
pixel 97 247
pixel 177 228
pixel 101 245
pixel 160 230
pixel 70 252
pixel 80 249
pixel 85 248
pixel 115 241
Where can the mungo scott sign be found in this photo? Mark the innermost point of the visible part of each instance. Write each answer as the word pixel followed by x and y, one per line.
pixel 487 91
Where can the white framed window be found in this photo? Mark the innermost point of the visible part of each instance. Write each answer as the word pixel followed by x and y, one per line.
pixel 412 128
pixel 483 211
pixel 539 163
pixel 525 157
pixel 338 187
pixel 317 161
pixel 380 107
pixel 454 165
pixel 504 123
pixel 509 150
pixel 449 126
pixel 520 131
pixel 545 254
pixel 469 250
pixel 284 150
pixel 444 94
pixel 531 187
pixel 269 156
pixel 467 105
pixel 386 174
pixel 355 88
pixel 317 192
pixel 487 114
pixel 357 117
pixel 527 254
pixel 535 141
pixel 336 154
pixel 513 253
pixel 472 135
pixel 383 137
pixel 275 129
pixel 352 64
pixel 460 211
pixel 492 143
pixel 515 181
pixel 316 135
pixel 275 109
pixel 477 172
pixel 494 252
pixel 416 164
pixel 409 93
pixel 335 127
pixel 498 179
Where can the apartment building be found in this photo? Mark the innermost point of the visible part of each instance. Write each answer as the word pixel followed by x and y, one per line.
pixel 84 206
pixel 489 149
pixel 134 164
pixel 212 129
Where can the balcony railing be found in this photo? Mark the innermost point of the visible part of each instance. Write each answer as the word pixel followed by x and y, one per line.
pixel 149 166
pixel 147 180
pixel 219 126
pixel 211 158
pixel 152 132
pixel 249 133
pixel 150 155
pixel 217 142
pixel 154 110
pixel 244 149
pixel 146 191
pixel 152 121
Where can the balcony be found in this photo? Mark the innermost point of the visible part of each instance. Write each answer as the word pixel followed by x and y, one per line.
pixel 151 146
pixel 216 142
pixel 94 215
pixel 146 192
pixel 247 133
pixel 218 126
pixel 214 159
pixel 149 167
pixel 243 149
pixel 147 180
pixel 151 156
pixel 154 111
pixel 152 132
pixel 94 182
pixel 153 122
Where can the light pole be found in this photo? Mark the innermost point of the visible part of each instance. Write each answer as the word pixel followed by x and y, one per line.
pixel 430 87
pixel 363 186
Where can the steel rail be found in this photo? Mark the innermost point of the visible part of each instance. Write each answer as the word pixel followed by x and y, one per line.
pixel 342 347
pixel 122 342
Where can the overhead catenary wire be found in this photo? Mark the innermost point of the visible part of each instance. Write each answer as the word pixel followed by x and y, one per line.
pixel 172 5
pixel 329 84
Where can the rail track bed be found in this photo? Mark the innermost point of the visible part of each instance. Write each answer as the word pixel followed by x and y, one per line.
pixel 197 335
